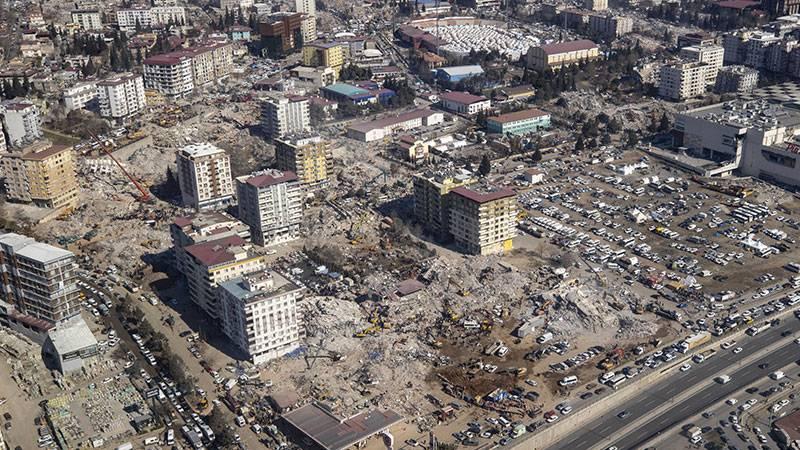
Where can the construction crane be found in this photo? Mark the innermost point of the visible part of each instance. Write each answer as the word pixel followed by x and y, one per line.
pixel 145 197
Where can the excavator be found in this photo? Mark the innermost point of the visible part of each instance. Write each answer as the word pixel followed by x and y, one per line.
pixel 354 233
pixel 461 290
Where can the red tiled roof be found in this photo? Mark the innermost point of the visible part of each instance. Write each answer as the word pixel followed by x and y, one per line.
pixel 570 46
pixel 183 221
pixel 519 115
pixel 264 179
pixel 215 252
pixel 483 197
pixel 465 98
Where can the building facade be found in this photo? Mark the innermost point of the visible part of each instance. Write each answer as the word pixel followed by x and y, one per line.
pixel 86 19
pixel 610 26
pixel 713 55
pixel 121 97
pixel 42 174
pixel 683 81
pixel 483 220
pixel 204 176
pixel 260 315
pixel 281 116
pixel 310 158
pixel 178 73
pixel 376 130
pixel 271 202
pixel 519 123
pixel 21 122
pixel 281 33
pixel 200 227
pixel 465 103
pixel 128 19
pixel 431 201
pixel 78 96
pixel 739 79
pixel 555 56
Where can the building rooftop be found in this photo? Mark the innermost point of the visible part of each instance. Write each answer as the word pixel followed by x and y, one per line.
pixel 333 433
pixel 392 120
pixel 118 79
pixel 268 178
pixel 200 150
pixel 790 425
pixel 346 89
pixel 71 335
pixel 569 46
pixel 760 113
pixel 518 115
pixel 483 194
pixel 464 98
pixel 462 70
pixel 29 248
pixel 449 173
pixel 259 286
pixel 207 222
pixel 218 251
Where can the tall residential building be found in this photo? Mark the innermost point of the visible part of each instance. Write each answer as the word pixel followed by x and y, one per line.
pixel 260 315
pixel 127 19
pixel 310 158
pixel 330 54
pixel 21 122
pixel 713 55
pixel 121 97
pixel 39 284
pixel 281 33
pixel 683 81
pixel 271 202
pixel 285 115
pixel 308 28
pixel 202 227
pixel 178 73
pixel 431 203
pixel 596 5
pixel 610 26
pixel 235 5
pixel 42 174
pixel 483 219
pixel 78 96
pixel 556 56
pixel 212 262
pixel 204 176
pixel 87 19
pixel 739 79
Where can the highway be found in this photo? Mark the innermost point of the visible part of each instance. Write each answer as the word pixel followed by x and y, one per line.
pixel 607 429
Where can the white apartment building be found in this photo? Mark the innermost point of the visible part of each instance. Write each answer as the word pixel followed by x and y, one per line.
pixel 596 5
pixel 682 81
pixel 233 5
pixel 713 55
pixel 482 219
pixel 271 202
pixel 260 315
pixel 285 115
pixel 79 95
pixel 740 79
pixel 21 122
pixel 169 74
pixel 308 28
pixel 121 97
pixel 87 19
pixel 150 17
pixel 204 176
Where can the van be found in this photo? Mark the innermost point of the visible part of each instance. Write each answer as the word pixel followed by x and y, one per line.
pixel 568 381
pixel 151 440
pixel 170 438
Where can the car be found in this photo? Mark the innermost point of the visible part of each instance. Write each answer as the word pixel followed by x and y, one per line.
pixel 731 401
pixel 551 418
pixel 504 441
pixel 623 414
pixel 585 395
pixel 531 382
pixel 685 367
pixel 763 365
pixel 727 345
pixel 737 427
pixel 751 390
pixel 613 447
pixel 737 350
pixel 762 439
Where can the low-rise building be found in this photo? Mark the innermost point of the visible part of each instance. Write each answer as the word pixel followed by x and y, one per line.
pixel 260 315
pixel 309 157
pixel 271 202
pixel 319 76
pixel 465 103
pixel 121 97
pixel 556 56
pixel 383 128
pixel 204 176
pixel 454 74
pixel 413 149
pixel 739 79
pixel 360 93
pixel 483 219
pixel 69 344
pixel 519 123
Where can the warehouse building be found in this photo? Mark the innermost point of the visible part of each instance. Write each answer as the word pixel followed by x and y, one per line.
pixel 519 123
pixel 375 130
pixel 454 74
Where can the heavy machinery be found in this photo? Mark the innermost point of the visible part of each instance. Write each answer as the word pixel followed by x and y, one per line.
pixel 322 353
pixel 145 197
pixel 354 232
pixel 461 290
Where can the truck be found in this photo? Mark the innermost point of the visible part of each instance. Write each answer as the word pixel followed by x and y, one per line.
pixel 752 331
pixel 695 340
pixel 230 384
pixel 518 431
pixel 693 432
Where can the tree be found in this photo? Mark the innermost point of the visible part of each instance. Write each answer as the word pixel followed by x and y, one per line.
pixel 219 421
pixel 605 139
pixel 537 155
pixel 486 166
pixel 88 68
pixel 663 124
pixel 579 145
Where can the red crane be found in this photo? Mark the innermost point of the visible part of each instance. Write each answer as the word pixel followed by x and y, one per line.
pixel 145 197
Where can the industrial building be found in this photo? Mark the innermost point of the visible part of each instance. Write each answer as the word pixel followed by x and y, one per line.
pixel 204 176
pixel 375 130
pixel 739 79
pixel 519 123
pixel 683 81
pixel 431 203
pixel 215 261
pixel 281 116
pixel 69 344
pixel 39 285
pixel 316 424
pixel 260 315
pixel 271 202
pixel 121 97
pixel 464 103
pixel 555 56
pixel 281 33
pixel 713 55
pixel 42 174
pixel 482 219
pixel 21 122
pixel 309 157
pixel 202 227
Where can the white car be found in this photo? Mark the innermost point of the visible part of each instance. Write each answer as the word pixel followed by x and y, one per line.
pixel 797 341
pixel 551 419
pixel 685 367
pixel 727 345
pixel 737 350
pixel 731 401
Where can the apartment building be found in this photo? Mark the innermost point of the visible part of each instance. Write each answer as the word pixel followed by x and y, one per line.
pixel 683 80
pixel 121 97
pixel 739 79
pixel 330 54
pixel 271 202
pixel 21 122
pixel 413 149
pixel 260 315
pixel 431 202
pixel 555 56
pixel 39 285
pixel 157 16
pixel 610 26
pixel 211 61
pixel 596 5
pixel 216 261
pixel 178 73
pixel 204 176
pixel 281 33
pixel 202 226
pixel 42 174
pixel 308 28
pixel 234 5
pixel 519 123
pixel 309 157
pixel 87 19
pixel 281 116
pixel 464 103
pixel 483 219
pixel 713 55
pixel 78 96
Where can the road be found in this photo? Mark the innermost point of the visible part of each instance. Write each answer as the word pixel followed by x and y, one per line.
pixel 609 427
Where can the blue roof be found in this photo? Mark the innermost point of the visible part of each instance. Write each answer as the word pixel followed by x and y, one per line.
pixel 346 89
pixel 462 70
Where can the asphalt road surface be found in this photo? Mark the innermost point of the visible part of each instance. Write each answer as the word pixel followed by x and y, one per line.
pixel 664 391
